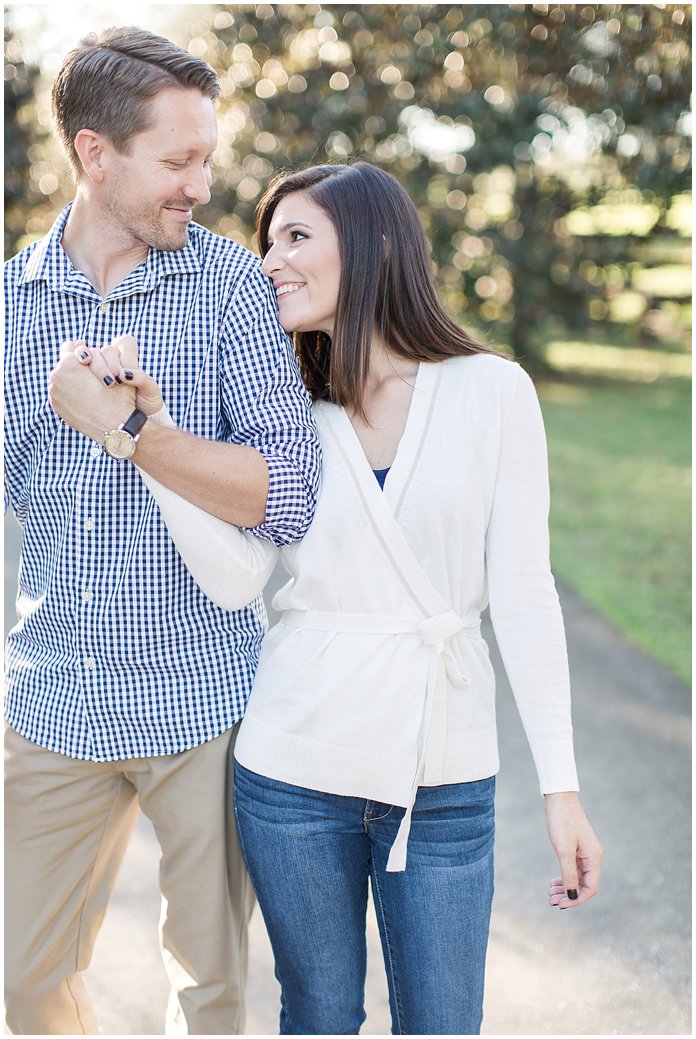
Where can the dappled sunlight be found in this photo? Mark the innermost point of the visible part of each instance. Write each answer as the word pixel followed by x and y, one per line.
pixel 630 363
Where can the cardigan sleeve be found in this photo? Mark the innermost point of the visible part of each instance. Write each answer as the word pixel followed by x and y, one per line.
pixel 230 565
pixel 524 605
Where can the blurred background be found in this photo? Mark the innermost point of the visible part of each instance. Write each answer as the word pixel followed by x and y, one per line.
pixel 548 149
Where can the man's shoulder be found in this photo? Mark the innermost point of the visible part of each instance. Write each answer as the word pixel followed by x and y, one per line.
pixel 15 265
pixel 224 255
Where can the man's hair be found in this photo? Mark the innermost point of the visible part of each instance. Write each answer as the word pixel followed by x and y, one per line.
pixel 386 280
pixel 107 82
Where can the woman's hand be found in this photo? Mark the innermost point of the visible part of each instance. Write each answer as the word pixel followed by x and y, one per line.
pixel 578 850
pixel 117 364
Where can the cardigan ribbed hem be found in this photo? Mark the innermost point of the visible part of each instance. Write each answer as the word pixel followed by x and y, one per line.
pixel 555 765
pixel 351 772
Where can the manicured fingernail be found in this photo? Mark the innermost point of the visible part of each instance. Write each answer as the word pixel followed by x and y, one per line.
pixel 108 380
pixel 128 373
pixel 83 355
pixel 118 380
pixel 572 894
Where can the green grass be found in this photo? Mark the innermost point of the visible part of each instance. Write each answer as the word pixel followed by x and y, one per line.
pixel 620 517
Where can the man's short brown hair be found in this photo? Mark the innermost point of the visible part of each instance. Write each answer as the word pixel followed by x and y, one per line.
pixel 106 83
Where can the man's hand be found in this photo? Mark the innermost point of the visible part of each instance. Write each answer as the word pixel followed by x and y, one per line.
pixel 118 362
pixel 84 402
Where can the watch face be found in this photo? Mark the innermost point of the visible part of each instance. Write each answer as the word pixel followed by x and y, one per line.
pixel 119 444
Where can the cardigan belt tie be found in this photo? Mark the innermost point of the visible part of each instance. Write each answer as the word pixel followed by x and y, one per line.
pixel 436 634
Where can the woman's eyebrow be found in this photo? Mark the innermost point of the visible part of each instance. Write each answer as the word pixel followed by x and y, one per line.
pixel 294 223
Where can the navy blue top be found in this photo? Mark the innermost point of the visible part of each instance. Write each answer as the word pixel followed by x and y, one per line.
pixel 381 475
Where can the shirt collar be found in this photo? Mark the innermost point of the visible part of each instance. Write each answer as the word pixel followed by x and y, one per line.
pixel 49 262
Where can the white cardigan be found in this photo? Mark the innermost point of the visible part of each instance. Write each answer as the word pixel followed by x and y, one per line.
pixel 376 679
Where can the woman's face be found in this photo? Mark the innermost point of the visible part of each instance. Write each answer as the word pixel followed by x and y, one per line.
pixel 304 264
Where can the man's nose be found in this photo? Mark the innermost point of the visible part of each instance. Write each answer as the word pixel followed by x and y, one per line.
pixel 197 185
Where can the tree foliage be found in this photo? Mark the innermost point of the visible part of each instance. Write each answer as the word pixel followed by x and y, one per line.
pixel 20 136
pixel 500 120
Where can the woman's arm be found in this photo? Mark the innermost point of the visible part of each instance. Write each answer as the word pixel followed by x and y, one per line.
pixel 527 618
pixel 229 564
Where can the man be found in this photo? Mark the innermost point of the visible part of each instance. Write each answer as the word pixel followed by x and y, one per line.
pixel 124 682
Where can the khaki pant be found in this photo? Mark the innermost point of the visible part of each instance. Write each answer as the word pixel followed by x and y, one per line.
pixel 67 826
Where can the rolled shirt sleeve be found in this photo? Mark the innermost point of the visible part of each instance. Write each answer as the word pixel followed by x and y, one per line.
pixel 265 405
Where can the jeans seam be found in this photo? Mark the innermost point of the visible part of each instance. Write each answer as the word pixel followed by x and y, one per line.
pixel 387 944
pixel 375 818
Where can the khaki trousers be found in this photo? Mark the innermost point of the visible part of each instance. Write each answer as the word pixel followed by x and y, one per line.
pixel 67 826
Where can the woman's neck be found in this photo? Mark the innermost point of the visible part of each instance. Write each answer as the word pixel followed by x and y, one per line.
pixel 386 364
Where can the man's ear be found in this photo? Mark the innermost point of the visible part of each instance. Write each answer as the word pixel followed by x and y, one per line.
pixel 91 148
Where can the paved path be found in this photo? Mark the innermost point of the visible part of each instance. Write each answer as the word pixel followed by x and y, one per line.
pixel 618 966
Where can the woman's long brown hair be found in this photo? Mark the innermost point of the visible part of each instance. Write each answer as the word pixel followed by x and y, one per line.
pixel 386 279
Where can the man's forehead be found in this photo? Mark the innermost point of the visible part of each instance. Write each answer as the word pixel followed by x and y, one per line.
pixel 184 119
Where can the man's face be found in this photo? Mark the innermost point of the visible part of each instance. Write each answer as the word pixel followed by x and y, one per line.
pixel 151 191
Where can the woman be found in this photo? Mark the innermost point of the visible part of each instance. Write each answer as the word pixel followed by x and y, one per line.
pixel 369 745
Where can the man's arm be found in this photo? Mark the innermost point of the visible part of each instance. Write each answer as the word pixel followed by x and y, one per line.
pixel 263 471
pixel 228 480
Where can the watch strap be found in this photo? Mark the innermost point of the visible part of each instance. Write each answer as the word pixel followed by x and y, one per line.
pixel 134 423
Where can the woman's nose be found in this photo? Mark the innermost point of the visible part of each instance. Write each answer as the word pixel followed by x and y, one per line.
pixel 271 261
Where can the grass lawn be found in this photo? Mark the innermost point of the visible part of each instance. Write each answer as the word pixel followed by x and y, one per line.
pixel 620 516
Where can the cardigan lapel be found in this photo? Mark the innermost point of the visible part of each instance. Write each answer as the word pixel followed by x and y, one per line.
pixel 439 623
pixel 377 504
pixel 408 452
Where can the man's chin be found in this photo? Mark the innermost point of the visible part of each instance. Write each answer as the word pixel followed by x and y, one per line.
pixel 170 243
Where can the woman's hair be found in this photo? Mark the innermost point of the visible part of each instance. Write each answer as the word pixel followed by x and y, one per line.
pixel 386 280
pixel 108 81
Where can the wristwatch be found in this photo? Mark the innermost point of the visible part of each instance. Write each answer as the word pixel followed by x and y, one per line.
pixel 120 443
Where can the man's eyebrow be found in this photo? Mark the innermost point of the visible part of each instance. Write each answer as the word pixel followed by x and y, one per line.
pixel 174 152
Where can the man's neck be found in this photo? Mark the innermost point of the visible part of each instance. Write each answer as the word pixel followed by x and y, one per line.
pixel 103 254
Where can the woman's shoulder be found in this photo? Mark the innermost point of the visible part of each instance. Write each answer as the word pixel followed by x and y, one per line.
pixel 493 372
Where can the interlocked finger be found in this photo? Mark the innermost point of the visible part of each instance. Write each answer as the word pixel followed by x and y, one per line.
pixel 128 350
pixel 101 369
pixel 111 357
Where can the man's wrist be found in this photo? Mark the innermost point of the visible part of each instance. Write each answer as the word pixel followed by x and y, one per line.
pixel 120 443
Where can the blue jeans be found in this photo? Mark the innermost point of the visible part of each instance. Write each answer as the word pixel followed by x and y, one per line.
pixel 310 854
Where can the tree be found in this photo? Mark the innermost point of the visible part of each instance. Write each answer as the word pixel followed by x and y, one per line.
pixel 500 120
pixel 20 134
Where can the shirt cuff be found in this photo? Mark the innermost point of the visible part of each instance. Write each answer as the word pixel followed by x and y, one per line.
pixel 290 504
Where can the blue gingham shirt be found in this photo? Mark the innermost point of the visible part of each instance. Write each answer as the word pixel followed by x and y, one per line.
pixel 117 652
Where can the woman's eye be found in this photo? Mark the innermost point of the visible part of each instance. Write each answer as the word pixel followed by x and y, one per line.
pixel 296 236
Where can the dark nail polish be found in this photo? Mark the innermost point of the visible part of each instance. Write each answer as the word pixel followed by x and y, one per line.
pixel 108 380
pixel 128 374
pixel 119 381
pixel 572 894
pixel 84 355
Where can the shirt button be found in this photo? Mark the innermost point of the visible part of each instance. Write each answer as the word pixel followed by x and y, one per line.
pixel 104 307
pixel 89 663
pixel 95 450
pixel 87 596
pixel 89 525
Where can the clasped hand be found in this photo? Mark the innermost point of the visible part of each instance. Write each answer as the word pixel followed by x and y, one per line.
pixel 81 386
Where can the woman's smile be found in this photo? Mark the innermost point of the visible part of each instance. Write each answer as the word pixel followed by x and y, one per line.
pixel 304 263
